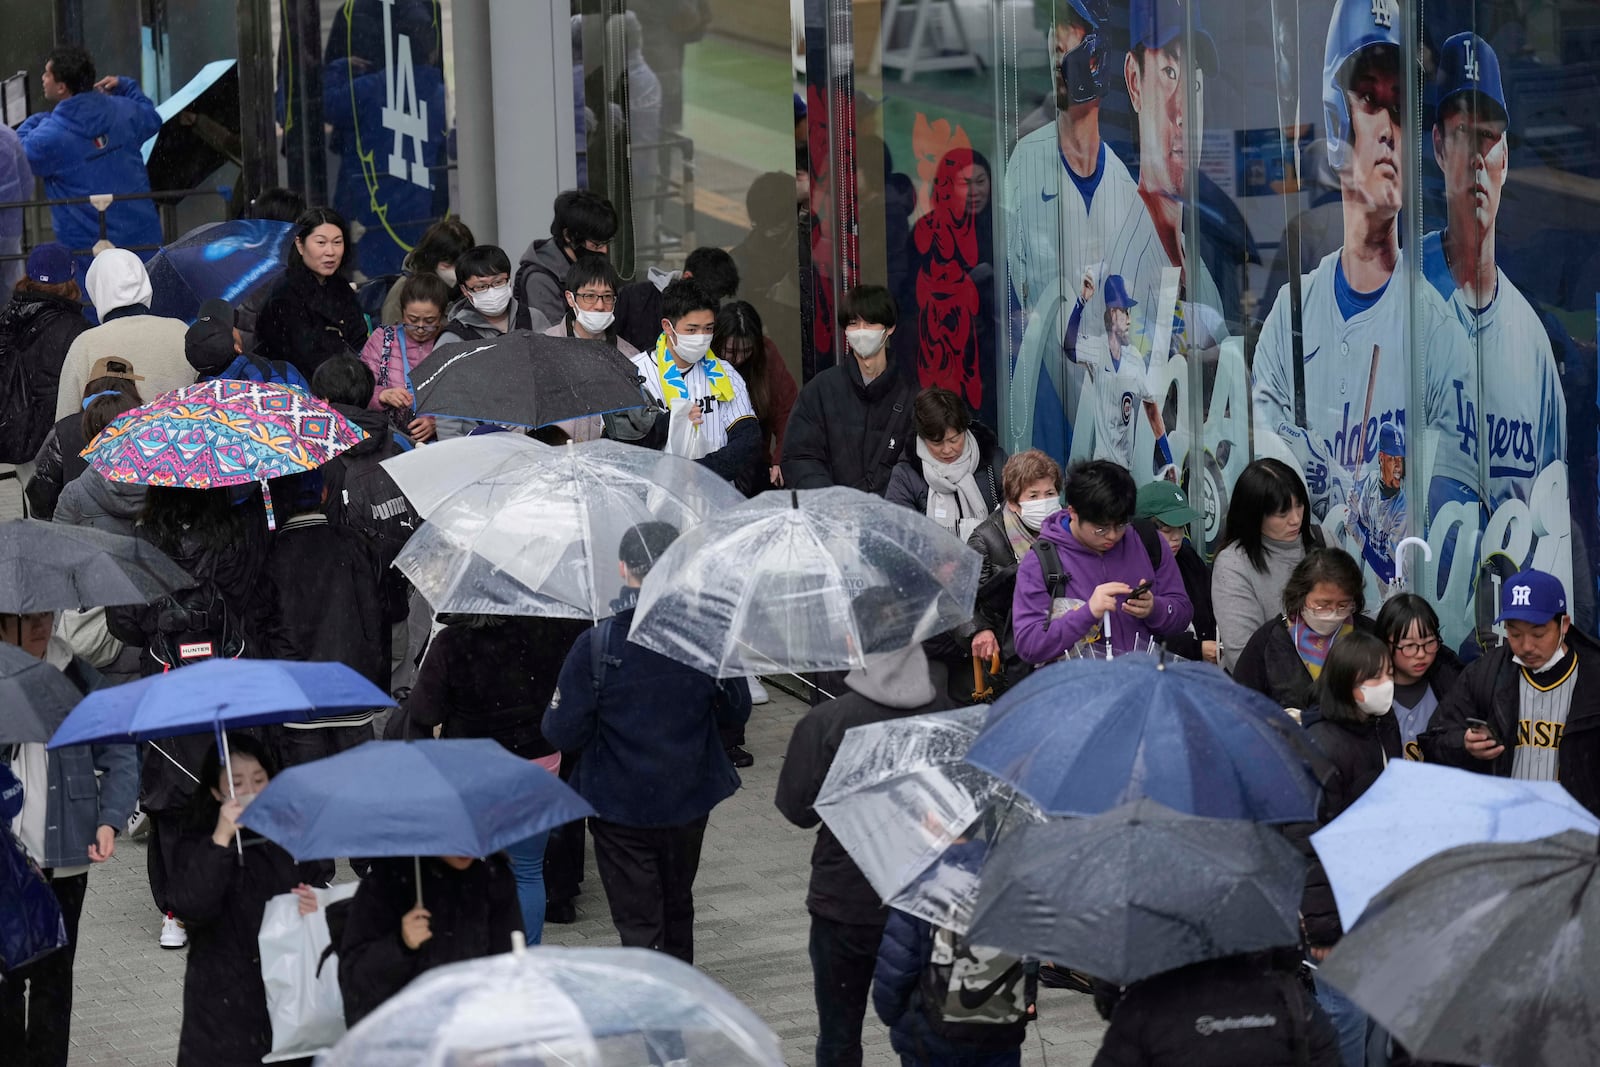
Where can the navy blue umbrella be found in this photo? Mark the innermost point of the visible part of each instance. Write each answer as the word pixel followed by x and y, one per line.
pixel 221 260
pixel 1083 736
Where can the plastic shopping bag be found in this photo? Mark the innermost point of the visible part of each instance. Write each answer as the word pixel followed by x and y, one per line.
pixel 303 998
pixel 684 437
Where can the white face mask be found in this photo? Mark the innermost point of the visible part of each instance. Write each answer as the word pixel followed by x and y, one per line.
pixel 865 343
pixel 594 321
pixel 1560 654
pixel 1034 512
pixel 1322 622
pixel 492 303
pixel 691 349
pixel 244 799
pixel 1377 698
pixel 447 275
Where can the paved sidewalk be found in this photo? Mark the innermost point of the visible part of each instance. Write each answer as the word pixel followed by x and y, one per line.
pixel 750 936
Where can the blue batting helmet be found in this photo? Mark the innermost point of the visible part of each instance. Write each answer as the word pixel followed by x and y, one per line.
pixel 1083 70
pixel 1355 26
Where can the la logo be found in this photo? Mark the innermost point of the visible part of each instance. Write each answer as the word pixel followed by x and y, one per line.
pixel 1383 13
pixel 1519 596
pixel 1470 66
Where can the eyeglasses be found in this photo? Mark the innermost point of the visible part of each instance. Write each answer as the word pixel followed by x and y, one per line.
pixel 1418 648
pixel 1343 607
pixel 483 285
pixel 1114 530
pixel 590 301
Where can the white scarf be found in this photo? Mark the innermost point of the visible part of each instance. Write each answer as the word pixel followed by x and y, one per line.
pixel 954 500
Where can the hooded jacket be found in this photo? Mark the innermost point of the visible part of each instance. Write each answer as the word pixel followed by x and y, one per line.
pixel 119 288
pixel 308 320
pixel 892 685
pixel 1042 640
pixel 361 495
pixel 1488 690
pixel 845 431
pixel 36 330
pixel 541 277
pixel 92 143
pixel 96 501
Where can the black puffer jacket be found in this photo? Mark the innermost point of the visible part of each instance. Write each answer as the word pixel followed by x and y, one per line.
pixel 1270 664
pixel 844 431
pixel 473 914
pixel 36 329
pixel 220 901
pixel 909 486
pixel 307 320
pixel 997 581
pixel 1222 1013
pixel 57 463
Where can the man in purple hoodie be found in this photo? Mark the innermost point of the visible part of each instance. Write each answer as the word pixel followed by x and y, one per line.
pixel 1085 579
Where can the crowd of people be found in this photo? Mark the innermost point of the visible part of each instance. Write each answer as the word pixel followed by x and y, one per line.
pixel 1077 563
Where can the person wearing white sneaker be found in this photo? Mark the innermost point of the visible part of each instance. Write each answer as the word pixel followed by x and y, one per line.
pixel 758 692
pixel 173 933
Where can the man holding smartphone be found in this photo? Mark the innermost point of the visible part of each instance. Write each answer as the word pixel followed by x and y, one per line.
pixel 1529 709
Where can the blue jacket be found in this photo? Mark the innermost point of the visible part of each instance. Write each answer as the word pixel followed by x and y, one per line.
pixel 250 367
pixel 91 143
pixel 650 751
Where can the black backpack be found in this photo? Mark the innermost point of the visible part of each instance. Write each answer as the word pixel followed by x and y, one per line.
pixel 362 496
pixel 1056 576
pixel 371 294
pixel 194 625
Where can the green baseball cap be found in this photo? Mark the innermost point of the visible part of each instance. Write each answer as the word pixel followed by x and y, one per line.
pixel 1166 503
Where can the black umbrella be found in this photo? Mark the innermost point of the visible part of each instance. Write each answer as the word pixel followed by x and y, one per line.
pixel 199 129
pixel 1485 954
pixel 34 697
pixel 1139 890
pixel 48 567
pixel 525 379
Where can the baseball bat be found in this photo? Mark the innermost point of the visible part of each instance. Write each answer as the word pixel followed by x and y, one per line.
pixel 1366 413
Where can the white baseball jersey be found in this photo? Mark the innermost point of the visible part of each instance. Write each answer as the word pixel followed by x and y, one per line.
pixel 1380 521
pixel 1052 235
pixel 696 382
pixel 1523 413
pixel 1121 387
pixel 1193 323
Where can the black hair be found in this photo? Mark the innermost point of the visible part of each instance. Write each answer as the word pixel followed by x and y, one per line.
pixel 102 409
pixel 426 287
pixel 684 297
pixel 343 380
pixel 937 411
pixel 1355 658
pixel 1399 612
pixel 552 434
pixel 311 218
pixel 179 521
pixel 1266 487
pixel 443 242
pixel 643 544
pixel 201 814
pixel 278 204
pixel 1332 565
pixel 589 268
pixel 482 261
pixel 107 382
pixel 73 67
pixel 580 215
pixel 869 303
pixel 737 319
pixel 299 493
pixel 714 269
pixel 1101 492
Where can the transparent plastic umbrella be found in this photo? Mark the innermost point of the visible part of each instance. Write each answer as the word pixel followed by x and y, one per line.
pixel 542 1007
pixel 515 527
pixel 808 580
pixel 915 817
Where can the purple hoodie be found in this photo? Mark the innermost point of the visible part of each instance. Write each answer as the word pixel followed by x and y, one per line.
pixel 1039 640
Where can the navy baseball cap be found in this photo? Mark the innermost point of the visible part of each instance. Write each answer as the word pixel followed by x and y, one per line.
pixel 1468 65
pixel 1117 293
pixel 1157 23
pixel 1532 596
pixel 1391 441
pixel 50 263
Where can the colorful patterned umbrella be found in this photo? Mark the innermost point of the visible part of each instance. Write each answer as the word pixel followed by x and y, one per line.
pixel 220 433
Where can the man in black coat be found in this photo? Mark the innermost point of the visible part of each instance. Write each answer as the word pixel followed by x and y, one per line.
pixel 847 917
pixel 853 421
pixel 1538 694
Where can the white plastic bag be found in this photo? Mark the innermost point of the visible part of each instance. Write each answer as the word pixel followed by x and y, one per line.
pixel 683 436
pixel 306 1008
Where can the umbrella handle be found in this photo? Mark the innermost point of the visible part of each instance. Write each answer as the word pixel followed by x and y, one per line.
pixel 418 861
pixel 227 764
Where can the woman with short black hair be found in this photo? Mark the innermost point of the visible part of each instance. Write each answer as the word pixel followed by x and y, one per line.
pixel 1425 669
pixel 952 473
pixel 1322 604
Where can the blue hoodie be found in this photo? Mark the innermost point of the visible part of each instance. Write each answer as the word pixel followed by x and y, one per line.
pixel 91 143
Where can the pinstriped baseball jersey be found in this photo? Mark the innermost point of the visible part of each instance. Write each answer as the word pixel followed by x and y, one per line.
pixel 719 415
pixel 1541 719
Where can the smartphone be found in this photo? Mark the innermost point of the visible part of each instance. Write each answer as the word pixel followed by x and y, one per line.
pixel 1480 724
pixel 1141 589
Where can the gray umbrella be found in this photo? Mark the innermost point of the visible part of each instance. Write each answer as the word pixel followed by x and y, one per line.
pixel 48 567
pixel 1485 954
pixel 34 697
pixel 1139 890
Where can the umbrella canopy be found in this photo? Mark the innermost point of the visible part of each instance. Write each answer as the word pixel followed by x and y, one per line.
pixel 516 527
pixel 524 378
pixel 915 817
pixel 1485 954
pixel 1139 890
pixel 1417 810
pixel 199 129
pixel 218 433
pixel 47 567
pixel 814 580
pixel 586 1007
pixel 1083 736
pixel 467 797
pixel 34 697
pixel 218 261
pixel 216 695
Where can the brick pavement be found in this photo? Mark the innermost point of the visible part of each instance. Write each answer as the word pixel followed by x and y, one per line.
pixel 750 935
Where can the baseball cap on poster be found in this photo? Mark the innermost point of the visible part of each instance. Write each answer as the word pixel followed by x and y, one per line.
pixel 1532 596
pixel 1157 23
pixel 1467 64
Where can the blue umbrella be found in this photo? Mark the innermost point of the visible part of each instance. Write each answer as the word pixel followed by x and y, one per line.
pixel 1084 736
pixel 1417 810
pixel 217 695
pixel 221 260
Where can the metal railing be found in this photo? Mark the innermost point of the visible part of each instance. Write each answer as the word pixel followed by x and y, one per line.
pixel 168 200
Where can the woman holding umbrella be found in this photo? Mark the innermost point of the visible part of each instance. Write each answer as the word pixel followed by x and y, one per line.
pixel 312 312
pixel 220 894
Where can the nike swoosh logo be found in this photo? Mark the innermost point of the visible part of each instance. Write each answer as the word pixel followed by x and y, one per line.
pixel 1047 197
pixel 1311 354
